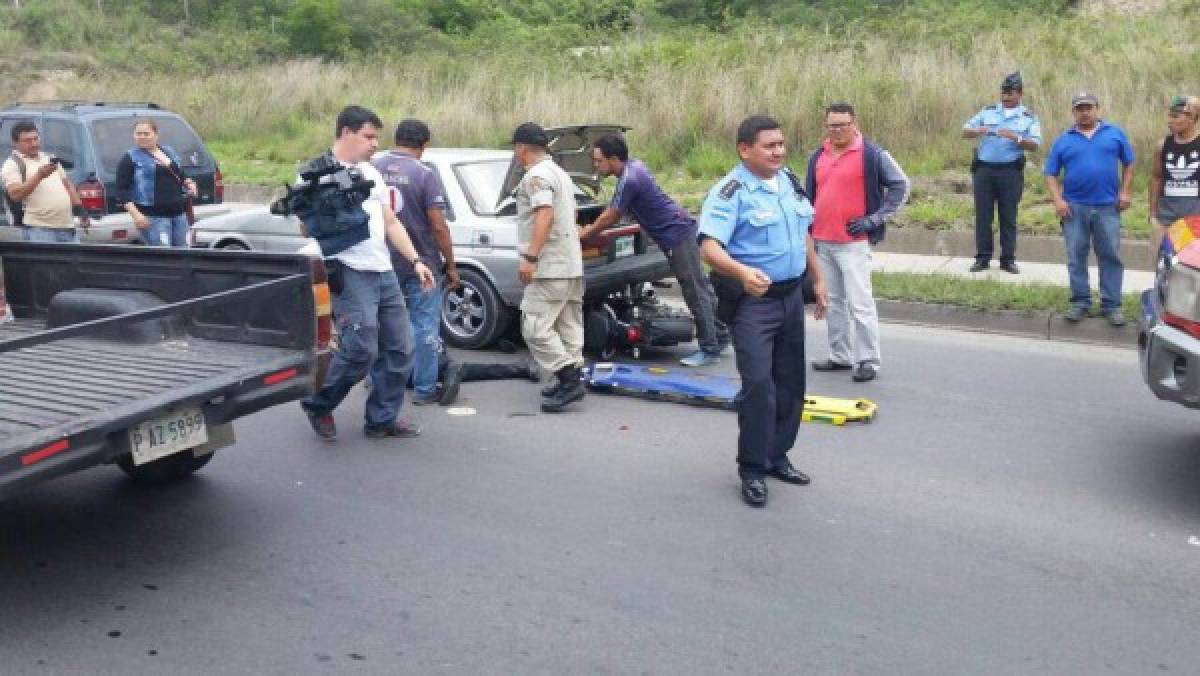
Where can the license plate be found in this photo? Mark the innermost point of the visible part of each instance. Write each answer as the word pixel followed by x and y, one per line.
pixel 169 434
pixel 623 246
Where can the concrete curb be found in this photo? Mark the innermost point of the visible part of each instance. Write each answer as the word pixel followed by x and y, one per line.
pixel 1044 325
pixel 1030 248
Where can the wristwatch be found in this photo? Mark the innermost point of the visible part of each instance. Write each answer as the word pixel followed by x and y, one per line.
pixel 414 261
pixel 531 259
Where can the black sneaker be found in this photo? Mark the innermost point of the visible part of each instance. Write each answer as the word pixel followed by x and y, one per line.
pixel 401 429
pixel 980 266
pixel 864 372
pixel 1011 268
pixel 1076 314
pixel 323 425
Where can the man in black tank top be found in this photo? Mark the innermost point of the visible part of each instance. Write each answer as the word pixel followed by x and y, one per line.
pixel 1175 182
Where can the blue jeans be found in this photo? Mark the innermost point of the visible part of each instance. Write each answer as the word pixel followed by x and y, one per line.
pixel 373 335
pixel 166 231
pixel 1100 227
pixel 33 233
pixel 425 313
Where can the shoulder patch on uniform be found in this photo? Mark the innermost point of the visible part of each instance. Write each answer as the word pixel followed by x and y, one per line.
pixel 1026 113
pixel 729 189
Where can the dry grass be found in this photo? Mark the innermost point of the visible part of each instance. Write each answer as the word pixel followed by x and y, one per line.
pixel 914 88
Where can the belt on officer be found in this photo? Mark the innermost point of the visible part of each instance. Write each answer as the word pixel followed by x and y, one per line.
pixel 782 289
pixel 1018 165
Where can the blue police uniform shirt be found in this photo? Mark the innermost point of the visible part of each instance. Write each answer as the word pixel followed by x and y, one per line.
pixel 993 148
pixel 1090 164
pixel 759 227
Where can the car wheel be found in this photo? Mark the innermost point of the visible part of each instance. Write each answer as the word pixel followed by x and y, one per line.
pixel 233 246
pixel 164 470
pixel 473 315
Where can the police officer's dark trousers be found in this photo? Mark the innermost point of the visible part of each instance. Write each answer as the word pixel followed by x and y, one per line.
pixel 768 339
pixel 998 189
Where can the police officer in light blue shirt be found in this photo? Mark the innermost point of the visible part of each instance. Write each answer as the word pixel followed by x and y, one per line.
pixel 1005 131
pixel 754 234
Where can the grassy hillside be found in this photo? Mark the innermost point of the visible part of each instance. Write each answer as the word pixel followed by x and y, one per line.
pixel 916 75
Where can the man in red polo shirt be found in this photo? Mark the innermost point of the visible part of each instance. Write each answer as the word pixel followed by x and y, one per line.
pixel 855 187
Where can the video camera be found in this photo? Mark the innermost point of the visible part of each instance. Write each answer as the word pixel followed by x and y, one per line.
pixel 328 199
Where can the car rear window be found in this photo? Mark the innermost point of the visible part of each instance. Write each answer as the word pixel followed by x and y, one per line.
pixel 481 182
pixel 113 137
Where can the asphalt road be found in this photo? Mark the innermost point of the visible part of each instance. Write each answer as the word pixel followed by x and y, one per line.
pixel 1019 507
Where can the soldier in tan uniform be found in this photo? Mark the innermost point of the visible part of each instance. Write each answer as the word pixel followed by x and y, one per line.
pixel 551 267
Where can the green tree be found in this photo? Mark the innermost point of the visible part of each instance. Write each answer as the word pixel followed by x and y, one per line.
pixel 317 28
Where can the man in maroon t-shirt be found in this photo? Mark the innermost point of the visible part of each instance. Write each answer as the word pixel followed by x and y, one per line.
pixel 855 187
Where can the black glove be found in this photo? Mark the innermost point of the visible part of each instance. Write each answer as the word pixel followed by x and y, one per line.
pixel 860 226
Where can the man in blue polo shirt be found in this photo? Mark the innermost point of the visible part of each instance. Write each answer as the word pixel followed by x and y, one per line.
pixel 672 228
pixel 1089 202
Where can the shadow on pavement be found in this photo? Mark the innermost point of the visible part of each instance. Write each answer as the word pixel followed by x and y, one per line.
pixel 1170 468
pixel 74 548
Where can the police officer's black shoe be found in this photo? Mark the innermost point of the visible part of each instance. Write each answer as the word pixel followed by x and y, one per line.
pixel 1010 267
pixel 754 492
pixel 791 475
pixel 980 266
pixel 549 390
pixel 570 389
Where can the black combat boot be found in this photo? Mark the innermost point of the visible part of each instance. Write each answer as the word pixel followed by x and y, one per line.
pixel 570 389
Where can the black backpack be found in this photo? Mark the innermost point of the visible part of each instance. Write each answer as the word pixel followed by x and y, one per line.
pixel 16 210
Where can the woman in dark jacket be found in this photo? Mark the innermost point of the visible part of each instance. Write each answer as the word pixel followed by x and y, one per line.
pixel 154 189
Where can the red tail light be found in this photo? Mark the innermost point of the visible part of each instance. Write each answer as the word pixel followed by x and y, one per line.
pixel 43 453
pixel 276 378
pixel 634 335
pixel 218 186
pixel 323 301
pixel 91 195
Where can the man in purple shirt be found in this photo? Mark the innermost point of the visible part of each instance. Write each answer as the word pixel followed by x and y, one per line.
pixel 419 201
pixel 672 228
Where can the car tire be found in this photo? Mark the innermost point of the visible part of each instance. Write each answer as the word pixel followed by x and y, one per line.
pixel 473 315
pixel 232 246
pixel 164 470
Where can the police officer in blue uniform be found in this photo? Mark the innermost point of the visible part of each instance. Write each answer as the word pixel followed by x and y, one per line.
pixel 754 234
pixel 1005 132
